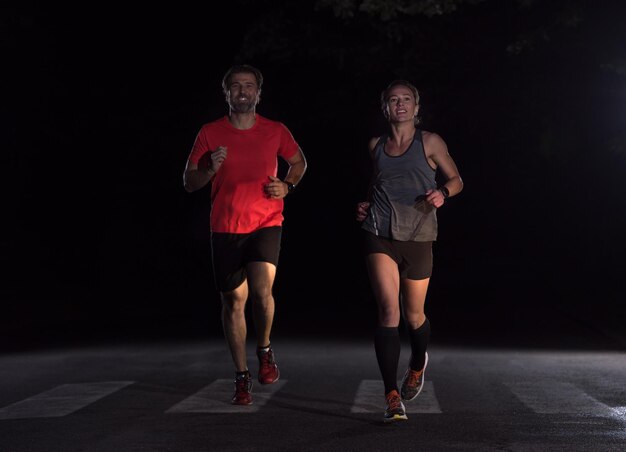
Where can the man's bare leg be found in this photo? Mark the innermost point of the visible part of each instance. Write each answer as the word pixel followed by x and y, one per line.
pixel 234 324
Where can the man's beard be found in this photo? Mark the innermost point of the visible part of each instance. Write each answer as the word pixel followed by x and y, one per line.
pixel 238 106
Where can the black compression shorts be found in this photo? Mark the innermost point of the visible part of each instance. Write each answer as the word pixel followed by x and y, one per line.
pixel 414 259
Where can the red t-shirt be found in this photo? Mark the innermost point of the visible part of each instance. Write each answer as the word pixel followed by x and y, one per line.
pixel 239 203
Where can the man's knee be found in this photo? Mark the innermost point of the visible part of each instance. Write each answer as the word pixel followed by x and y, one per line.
pixel 233 302
pixel 261 295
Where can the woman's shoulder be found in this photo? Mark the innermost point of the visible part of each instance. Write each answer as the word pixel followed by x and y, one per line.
pixel 432 137
pixel 373 142
pixel 433 141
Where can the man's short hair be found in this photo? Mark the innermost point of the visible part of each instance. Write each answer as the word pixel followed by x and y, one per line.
pixel 242 68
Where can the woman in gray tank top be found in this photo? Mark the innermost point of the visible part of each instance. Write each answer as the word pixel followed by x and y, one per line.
pixel 399 224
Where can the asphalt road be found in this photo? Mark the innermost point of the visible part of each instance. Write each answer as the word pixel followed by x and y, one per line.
pixel 174 396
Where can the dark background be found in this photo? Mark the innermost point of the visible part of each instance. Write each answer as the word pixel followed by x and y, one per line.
pixel 101 104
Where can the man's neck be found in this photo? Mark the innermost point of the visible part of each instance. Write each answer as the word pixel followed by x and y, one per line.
pixel 242 121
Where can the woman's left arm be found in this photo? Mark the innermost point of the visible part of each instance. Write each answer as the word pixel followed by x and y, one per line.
pixel 437 153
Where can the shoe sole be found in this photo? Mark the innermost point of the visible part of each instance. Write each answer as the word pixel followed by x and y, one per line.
pixel 395 418
pixel 423 381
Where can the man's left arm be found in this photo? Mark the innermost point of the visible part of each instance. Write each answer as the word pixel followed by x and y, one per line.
pixel 297 168
pixel 278 189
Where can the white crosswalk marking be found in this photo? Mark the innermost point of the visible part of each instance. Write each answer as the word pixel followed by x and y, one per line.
pixel 215 398
pixel 62 400
pixel 542 397
pixel 369 399
pixel 556 397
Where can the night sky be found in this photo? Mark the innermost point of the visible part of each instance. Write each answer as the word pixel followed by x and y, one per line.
pixel 101 105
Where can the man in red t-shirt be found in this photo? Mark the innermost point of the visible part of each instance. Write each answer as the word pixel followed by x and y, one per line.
pixel 239 154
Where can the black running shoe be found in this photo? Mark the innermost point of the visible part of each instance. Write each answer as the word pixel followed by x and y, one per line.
pixel 395 408
pixel 413 382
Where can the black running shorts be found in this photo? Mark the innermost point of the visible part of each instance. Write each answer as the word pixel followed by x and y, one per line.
pixel 231 252
pixel 414 259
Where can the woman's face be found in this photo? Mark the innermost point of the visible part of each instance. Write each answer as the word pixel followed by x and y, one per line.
pixel 401 105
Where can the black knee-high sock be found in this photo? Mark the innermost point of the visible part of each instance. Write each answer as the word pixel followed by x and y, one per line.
pixel 387 346
pixel 419 342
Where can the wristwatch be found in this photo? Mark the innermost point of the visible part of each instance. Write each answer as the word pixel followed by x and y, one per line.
pixel 290 187
pixel 444 191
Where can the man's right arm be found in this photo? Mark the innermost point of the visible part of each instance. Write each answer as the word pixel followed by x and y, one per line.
pixel 197 175
pixel 194 178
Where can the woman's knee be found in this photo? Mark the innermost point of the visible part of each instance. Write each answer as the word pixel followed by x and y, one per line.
pixel 416 320
pixel 389 315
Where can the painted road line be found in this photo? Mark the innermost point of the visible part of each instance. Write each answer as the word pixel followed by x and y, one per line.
pixel 215 398
pixel 62 400
pixel 556 397
pixel 370 399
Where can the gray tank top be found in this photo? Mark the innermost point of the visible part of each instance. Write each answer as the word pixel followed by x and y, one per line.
pixel 398 209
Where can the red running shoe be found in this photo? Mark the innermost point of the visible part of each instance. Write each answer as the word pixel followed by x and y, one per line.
pixel 268 369
pixel 243 390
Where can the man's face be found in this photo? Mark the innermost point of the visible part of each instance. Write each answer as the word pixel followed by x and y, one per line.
pixel 243 93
